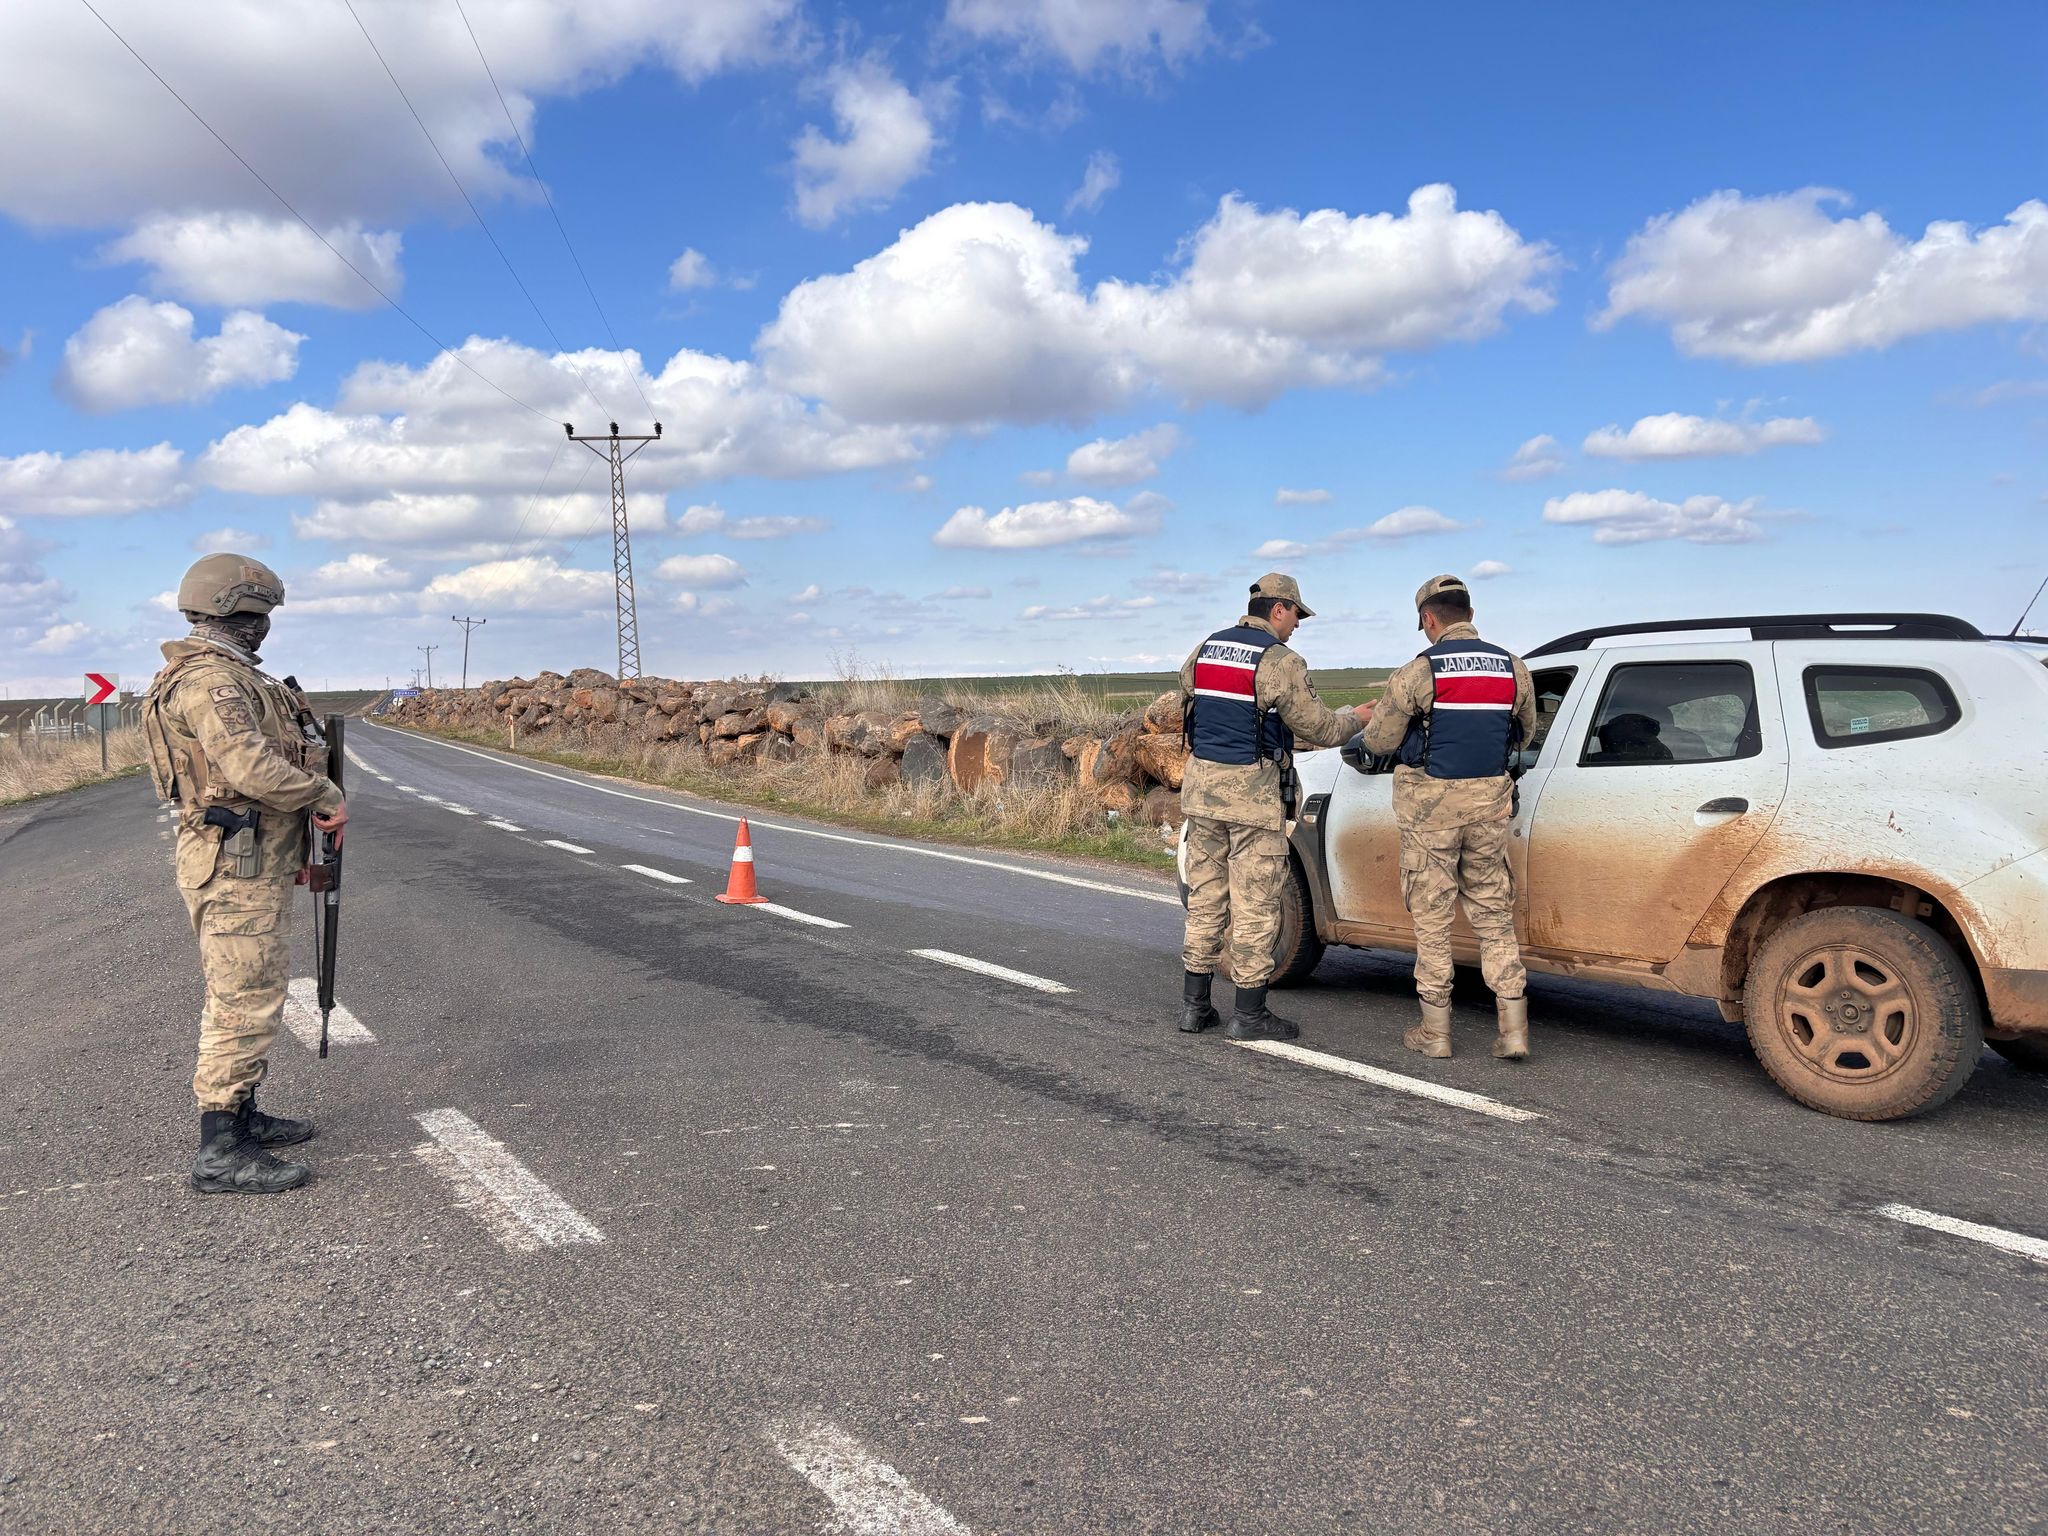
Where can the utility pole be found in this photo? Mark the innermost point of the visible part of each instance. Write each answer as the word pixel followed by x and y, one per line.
pixel 429 649
pixel 467 626
pixel 622 548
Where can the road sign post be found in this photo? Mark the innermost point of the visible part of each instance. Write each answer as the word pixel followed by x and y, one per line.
pixel 99 687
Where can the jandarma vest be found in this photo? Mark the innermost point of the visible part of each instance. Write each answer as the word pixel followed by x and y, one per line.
pixel 1469 729
pixel 1226 724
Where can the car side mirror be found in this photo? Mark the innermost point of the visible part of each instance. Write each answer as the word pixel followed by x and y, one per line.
pixel 1354 753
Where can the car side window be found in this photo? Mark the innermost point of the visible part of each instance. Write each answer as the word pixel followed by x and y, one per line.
pixel 1858 706
pixel 1674 712
pixel 1552 685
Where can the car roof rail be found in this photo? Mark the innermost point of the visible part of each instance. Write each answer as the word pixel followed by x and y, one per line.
pixel 1787 626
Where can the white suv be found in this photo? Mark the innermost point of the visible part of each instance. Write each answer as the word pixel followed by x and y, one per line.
pixel 1832 825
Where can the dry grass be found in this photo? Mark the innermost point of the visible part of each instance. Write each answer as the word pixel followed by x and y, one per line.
pixel 830 786
pixel 43 765
pixel 1059 707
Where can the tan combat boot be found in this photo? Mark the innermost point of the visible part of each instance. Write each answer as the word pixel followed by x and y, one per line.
pixel 1432 1037
pixel 1513 1044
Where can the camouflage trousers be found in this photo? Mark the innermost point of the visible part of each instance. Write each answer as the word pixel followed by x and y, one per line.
pixel 246 957
pixel 1234 877
pixel 1438 866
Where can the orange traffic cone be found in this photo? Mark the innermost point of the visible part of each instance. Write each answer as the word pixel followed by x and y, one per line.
pixel 739 886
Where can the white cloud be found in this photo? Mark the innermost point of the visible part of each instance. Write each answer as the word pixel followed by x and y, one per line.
pixel 433 454
pixel 701 519
pixel 977 314
pixel 59 639
pixel 1407 522
pixel 1286 497
pixel 1280 549
pixel 702 573
pixel 1541 455
pixel 713 518
pixel 223 540
pixel 1104 607
pixel 291 84
pixel 690 270
pixel 29 595
pixel 1178 583
pixel 534 582
pixel 1674 436
pixel 97 482
pixel 1088 33
pixel 359 573
pixel 962 594
pixel 886 142
pixel 232 259
pixel 1630 517
pixel 137 353
pixel 919 484
pixel 1038 476
pixel 1123 460
pixel 1044 524
pixel 810 594
pixel 2010 389
pixel 1486 570
pixel 1097 182
pixel 1779 280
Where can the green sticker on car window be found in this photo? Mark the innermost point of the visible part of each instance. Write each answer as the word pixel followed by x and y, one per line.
pixel 1859 725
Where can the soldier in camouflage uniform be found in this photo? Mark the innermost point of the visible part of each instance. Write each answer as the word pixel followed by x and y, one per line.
pixel 234 747
pixel 1246 699
pixel 1455 715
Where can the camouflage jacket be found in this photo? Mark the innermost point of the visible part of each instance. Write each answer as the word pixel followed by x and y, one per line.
pixel 226 734
pixel 1249 793
pixel 1419 800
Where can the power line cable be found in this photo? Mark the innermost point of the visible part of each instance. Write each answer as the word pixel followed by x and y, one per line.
pixel 560 346
pixel 534 500
pixel 294 212
pixel 569 245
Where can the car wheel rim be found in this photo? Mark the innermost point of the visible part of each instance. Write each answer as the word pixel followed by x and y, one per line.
pixel 1847 1014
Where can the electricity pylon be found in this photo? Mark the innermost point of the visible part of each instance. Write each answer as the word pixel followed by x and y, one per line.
pixel 622 546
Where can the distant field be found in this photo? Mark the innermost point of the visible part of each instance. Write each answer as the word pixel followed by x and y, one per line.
pixel 16 712
pixel 1339 686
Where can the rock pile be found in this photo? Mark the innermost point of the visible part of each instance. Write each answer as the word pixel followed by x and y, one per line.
pixel 1134 770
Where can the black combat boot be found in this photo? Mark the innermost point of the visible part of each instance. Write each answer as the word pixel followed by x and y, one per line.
pixel 229 1162
pixel 1196 1012
pixel 1250 1020
pixel 272 1130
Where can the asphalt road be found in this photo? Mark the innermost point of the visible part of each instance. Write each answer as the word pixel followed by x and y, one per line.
pixel 638 1212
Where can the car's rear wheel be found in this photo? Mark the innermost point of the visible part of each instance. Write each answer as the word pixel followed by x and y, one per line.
pixel 1862 1013
pixel 2029 1052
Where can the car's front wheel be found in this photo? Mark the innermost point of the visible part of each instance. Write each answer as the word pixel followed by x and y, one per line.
pixel 1297 951
pixel 1863 1013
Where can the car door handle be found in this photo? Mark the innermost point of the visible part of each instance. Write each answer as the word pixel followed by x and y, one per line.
pixel 1731 805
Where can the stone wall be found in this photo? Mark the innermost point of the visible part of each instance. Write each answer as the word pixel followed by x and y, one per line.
pixel 1133 770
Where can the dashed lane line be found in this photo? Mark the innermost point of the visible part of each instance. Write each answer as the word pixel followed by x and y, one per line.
pixel 2034 1248
pixel 1165 897
pixel 989 968
pixel 460 810
pixel 657 874
pixel 302 1017
pixel 1379 1077
pixel 504 826
pixel 407 789
pixel 556 842
pixel 868 1496
pixel 521 1211
pixel 791 913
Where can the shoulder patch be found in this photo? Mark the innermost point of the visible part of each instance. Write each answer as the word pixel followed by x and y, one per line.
pixel 225 693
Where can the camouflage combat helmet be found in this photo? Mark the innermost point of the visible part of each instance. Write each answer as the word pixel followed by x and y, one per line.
pixel 220 585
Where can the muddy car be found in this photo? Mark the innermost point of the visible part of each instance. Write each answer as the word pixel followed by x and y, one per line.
pixel 1831 825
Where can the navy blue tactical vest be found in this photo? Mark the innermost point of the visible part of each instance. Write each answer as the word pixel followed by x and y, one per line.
pixel 1226 724
pixel 1469 729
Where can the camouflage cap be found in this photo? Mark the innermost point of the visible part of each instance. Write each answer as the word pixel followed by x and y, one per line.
pixel 1436 586
pixel 218 585
pixel 1273 584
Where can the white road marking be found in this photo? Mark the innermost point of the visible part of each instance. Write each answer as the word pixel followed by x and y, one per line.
pixel 302 1017
pixel 504 826
pixel 870 1497
pixel 555 842
pixel 1165 897
pixel 656 874
pixel 1478 1103
pixel 1997 1237
pixel 350 754
pixel 791 913
pixel 430 799
pixel 407 789
pixel 522 1212
pixel 460 810
pixel 988 968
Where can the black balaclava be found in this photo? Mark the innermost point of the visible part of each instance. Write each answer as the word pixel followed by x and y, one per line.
pixel 243 631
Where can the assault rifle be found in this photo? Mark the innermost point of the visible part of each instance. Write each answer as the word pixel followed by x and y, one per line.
pixel 323 879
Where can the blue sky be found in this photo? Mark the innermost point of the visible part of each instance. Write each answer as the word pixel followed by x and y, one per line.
pixel 1734 311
